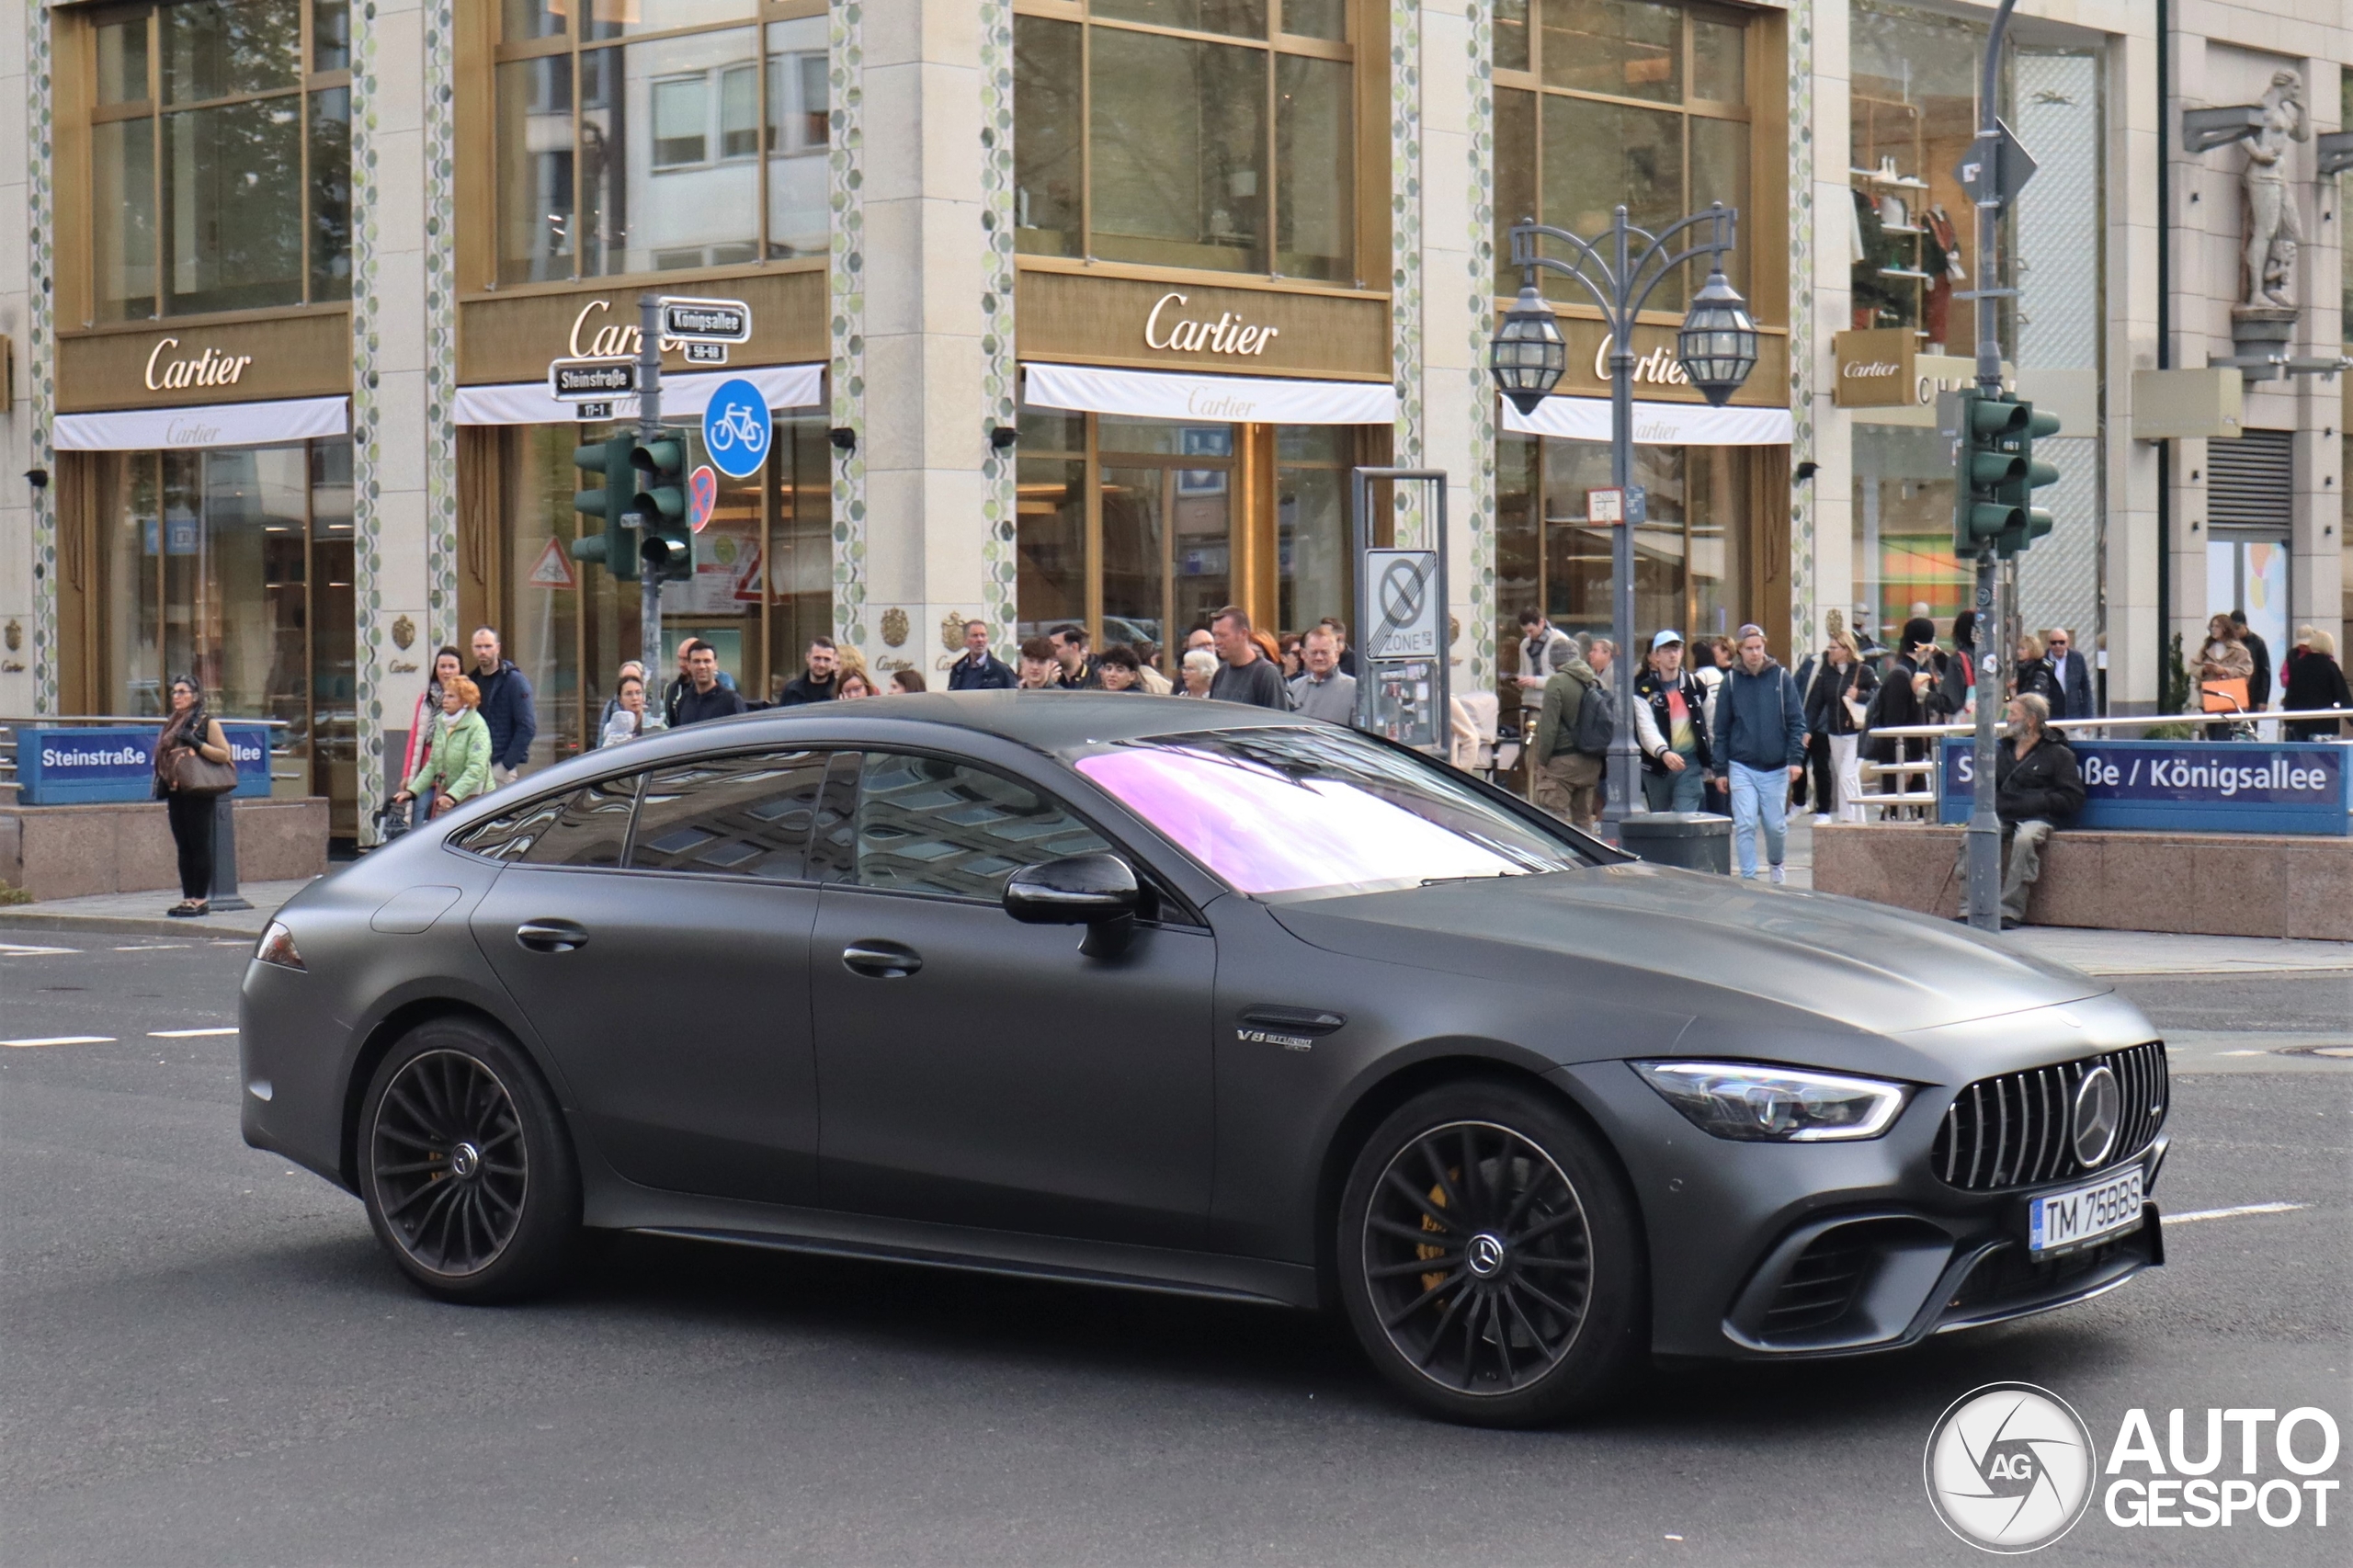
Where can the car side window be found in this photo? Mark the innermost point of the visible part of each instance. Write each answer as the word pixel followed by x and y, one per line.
pixel 730 816
pixel 589 827
pixel 925 824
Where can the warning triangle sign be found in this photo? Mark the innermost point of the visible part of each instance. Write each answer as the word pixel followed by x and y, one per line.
pixel 553 569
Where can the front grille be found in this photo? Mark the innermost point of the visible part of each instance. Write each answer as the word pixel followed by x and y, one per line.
pixel 2017 1130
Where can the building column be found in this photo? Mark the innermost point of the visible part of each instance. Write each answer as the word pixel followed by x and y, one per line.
pixel 1453 398
pixel 2316 556
pixel 2130 640
pixel 1822 567
pixel 403 368
pixel 29 649
pixel 933 197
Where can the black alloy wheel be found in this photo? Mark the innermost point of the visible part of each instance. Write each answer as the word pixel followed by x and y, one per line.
pixel 468 1179
pixel 1488 1264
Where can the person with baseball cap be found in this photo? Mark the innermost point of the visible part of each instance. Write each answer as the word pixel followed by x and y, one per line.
pixel 1671 728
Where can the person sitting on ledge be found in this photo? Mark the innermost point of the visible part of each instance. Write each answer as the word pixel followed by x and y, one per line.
pixel 2037 790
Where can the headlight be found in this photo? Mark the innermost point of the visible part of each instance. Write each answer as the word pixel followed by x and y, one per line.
pixel 1737 1099
pixel 277 947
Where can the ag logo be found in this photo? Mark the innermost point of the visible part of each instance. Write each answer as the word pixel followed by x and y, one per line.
pixel 2009 1467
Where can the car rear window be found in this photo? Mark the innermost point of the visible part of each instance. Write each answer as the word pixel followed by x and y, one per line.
pixel 1320 811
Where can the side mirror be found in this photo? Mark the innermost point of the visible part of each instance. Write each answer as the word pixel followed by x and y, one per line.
pixel 1099 891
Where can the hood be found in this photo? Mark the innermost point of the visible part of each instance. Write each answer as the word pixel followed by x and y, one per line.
pixel 1682 935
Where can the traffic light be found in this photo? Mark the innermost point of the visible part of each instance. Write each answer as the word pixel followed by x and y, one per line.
pixel 615 546
pixel 660 506
pixel 1988 467
pixel 2029 522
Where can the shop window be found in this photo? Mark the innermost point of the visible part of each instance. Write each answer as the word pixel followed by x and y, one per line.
pixel 635 140
pixel 220 156
pixel 1603 102
pixel 233 565
pixel 1208 133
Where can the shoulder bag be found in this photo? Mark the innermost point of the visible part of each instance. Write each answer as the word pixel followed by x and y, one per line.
pixel 193 773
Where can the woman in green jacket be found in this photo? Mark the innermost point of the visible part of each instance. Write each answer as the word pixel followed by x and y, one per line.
pixel 457 768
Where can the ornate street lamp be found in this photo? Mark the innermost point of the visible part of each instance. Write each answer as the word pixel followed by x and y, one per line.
pixel 1717 348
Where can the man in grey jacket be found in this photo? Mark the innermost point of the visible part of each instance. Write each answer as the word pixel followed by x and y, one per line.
pixel 1323 692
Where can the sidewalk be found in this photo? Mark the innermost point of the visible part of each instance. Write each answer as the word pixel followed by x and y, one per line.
pixel 141 914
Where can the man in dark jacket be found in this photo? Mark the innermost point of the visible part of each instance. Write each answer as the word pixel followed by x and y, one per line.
pixel 2258 685
pixel 979 670
pixel 506 707
pixel 816 683
pixel 704 696
pixel 2037 790
pixel 1671 727
pixel 1760 743
pixel 2072 673
pixel 1078 668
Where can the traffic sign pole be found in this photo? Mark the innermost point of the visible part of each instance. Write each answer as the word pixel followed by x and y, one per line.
pixel 649 425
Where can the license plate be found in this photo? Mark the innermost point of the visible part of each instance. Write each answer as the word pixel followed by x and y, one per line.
pixel 2059 1220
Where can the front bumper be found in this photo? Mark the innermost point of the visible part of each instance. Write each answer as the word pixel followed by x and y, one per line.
pixel 1781 1251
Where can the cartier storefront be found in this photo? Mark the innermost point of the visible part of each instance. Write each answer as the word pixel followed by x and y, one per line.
pixel 203 468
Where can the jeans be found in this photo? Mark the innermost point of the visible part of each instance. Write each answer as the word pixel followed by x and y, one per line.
pixel 1675 791
pixel 1759 793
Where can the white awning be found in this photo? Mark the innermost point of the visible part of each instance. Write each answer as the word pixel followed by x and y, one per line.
pixel 206 425
pixel 1656 423
pixel 683 392
pixel 1165 394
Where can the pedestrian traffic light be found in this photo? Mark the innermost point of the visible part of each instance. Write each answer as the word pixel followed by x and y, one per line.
pixel 614 546
pixel 1989 464
pixel 2029 521
pixel 660 506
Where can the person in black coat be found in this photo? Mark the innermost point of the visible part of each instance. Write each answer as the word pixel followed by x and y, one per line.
pixel 2038 790
pixel 2315 680
pixel 1832 734
pixel 2258 685
pixel 2072 673
pixel 1911 692
pixel 506 707
pixel 979 670
pixel 2035 674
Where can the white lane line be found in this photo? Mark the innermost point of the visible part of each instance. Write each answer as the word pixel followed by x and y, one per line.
pixel 154 946
pixel 65 1039
pixel 26 951
pixel 188 1034
pixel 2233 1214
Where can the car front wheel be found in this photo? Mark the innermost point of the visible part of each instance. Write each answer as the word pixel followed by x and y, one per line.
pixel 464 1167
pixel 1489 1261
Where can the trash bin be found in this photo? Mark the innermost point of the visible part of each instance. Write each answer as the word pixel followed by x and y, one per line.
pixel 1698 841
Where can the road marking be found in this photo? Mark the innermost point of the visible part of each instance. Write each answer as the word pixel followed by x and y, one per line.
pixel 188 1034
pixel 154 946
pixel 2233 1214
pixel 26 951
pixel 65 1039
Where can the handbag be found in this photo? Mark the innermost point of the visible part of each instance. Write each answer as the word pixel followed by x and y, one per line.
pixel 2224 696
pixel 193 773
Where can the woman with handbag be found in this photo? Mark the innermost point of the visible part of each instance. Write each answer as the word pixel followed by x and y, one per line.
pixel 459 766
pixel 193 768
pixel 2225 669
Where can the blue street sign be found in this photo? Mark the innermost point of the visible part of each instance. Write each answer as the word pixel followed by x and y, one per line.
pixel 74 766
pixel 736 430
pixel 2193 785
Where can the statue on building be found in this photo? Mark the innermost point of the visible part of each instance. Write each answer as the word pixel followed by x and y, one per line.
pixel 2273 230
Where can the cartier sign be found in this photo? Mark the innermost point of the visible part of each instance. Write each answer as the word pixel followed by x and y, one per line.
pixel 1657 367
pixel 1876 368
pixel 1184 334
pixel 300 354
pixel 169 372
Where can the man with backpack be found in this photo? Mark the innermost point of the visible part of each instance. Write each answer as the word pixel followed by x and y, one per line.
pixel 1760 743
pixel 1573 730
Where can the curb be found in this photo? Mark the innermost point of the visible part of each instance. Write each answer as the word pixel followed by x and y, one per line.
pixel 30 917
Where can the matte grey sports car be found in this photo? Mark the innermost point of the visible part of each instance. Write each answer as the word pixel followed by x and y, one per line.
pixel 1194 997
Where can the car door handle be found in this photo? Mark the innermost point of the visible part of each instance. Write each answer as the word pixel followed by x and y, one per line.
pixel 1293 1020
pixel 552 936
pixel 880 961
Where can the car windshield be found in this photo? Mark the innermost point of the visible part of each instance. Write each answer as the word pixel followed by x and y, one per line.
pixel 1312 811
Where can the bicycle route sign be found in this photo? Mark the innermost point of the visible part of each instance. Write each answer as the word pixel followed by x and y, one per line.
pixel 1405 606
pixel 736 429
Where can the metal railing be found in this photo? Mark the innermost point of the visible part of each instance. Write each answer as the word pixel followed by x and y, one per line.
pixel 10 725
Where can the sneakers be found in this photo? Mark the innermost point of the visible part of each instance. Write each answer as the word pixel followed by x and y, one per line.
pixel 1780 876
pixel 1822 819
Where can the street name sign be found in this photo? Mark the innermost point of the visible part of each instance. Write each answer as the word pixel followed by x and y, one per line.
pixel 692 321
pixel 591 381
pixel 2193 785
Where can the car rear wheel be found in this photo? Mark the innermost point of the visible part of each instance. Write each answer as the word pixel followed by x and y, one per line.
pixel 1488 1259
pixel 464 1167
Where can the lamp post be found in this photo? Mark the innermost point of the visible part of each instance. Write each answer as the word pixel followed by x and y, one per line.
pixel 1717 348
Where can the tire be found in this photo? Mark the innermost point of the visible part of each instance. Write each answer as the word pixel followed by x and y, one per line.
pixel 1489 1259
pixel 465 1169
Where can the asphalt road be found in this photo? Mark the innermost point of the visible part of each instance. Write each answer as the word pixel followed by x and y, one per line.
pixel 204 1359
